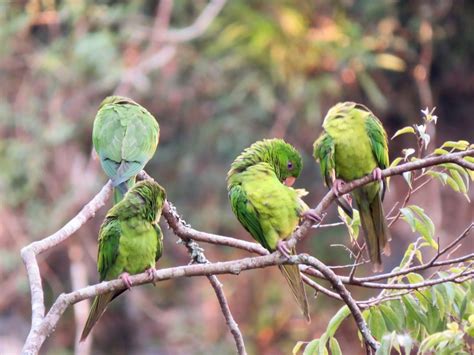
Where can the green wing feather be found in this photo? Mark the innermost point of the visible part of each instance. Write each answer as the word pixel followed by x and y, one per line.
pixel 324 152
pixel 247 214
pixel 378 141
pixel 109 239
pixel 159 246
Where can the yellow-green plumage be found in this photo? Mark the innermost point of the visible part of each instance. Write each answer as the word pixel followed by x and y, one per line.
pixel 267 209
pixel 352 145
pixel 125 136
pixel 130 241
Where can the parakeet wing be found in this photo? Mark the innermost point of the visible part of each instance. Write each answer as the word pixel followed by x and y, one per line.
pixel 324 149
pixel 109 239
pixel 159 247
pixel 324 152
pixel 247 214
pixel 378 141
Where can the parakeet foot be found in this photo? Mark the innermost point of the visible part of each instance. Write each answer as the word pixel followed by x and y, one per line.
pixel 312 215
pixel 126 279
pixel 377 174
pixel 337 185
pixel 151 273
pixel 283 248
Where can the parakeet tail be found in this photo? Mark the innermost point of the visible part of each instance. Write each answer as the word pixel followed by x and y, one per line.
pixel 293 277
pixel 121 190
pixel 374 226
pixel 98 308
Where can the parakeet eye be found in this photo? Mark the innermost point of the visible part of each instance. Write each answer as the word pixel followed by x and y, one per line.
pixel 290 165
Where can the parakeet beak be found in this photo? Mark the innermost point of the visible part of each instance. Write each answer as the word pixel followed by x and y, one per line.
pixel 289 181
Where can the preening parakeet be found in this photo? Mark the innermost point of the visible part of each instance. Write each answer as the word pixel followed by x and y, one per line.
pixel 130 241
pixel 125 136
pixel 354 144
pixel 259 185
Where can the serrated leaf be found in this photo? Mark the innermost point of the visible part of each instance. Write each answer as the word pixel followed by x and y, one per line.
pixel 334 347
pixel 404 130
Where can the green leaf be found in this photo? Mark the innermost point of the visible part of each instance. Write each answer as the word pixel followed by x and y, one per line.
pixel 440 151
pixel 418 221
pixel 392 320
pixel 376 323
pixel 407 152
pixel 298 346
pixel 385 345
pixel 396 161
pixel 404 130
pixel 452 183
pixel 310 349
pixel 352 224
pixel 334 347
pixel 439 175
pixel 414 311
pixel 336 321
pixel 459 145
pixel 407 176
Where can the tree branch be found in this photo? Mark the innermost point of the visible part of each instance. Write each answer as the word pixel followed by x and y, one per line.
pixel 43 326
pixel 199 26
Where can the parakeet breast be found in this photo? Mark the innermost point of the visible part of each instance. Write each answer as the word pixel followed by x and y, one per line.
pixel 353 151
pixel 137 248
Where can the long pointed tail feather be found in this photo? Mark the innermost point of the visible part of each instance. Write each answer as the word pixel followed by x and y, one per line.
pixel 293 277
pixel 97 309
pixel 374 226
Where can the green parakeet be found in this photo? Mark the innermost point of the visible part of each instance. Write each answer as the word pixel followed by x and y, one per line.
pixel 130 241
pixel 259 185
pixel 125 136
pixel 354 144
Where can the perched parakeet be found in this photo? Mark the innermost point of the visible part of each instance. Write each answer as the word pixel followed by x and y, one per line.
pixel 130 241
pixel 354 144
pixel 125 136
pixel 259 185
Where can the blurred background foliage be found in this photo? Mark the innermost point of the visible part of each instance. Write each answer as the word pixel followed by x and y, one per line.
pixel 261 69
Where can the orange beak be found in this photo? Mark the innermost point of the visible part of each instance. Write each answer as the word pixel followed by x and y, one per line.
pixel 289 181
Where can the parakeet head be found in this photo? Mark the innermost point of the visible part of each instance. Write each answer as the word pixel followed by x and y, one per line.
pixel 152 193
pixel 283 157
pixel 344 110
pixel 116 100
